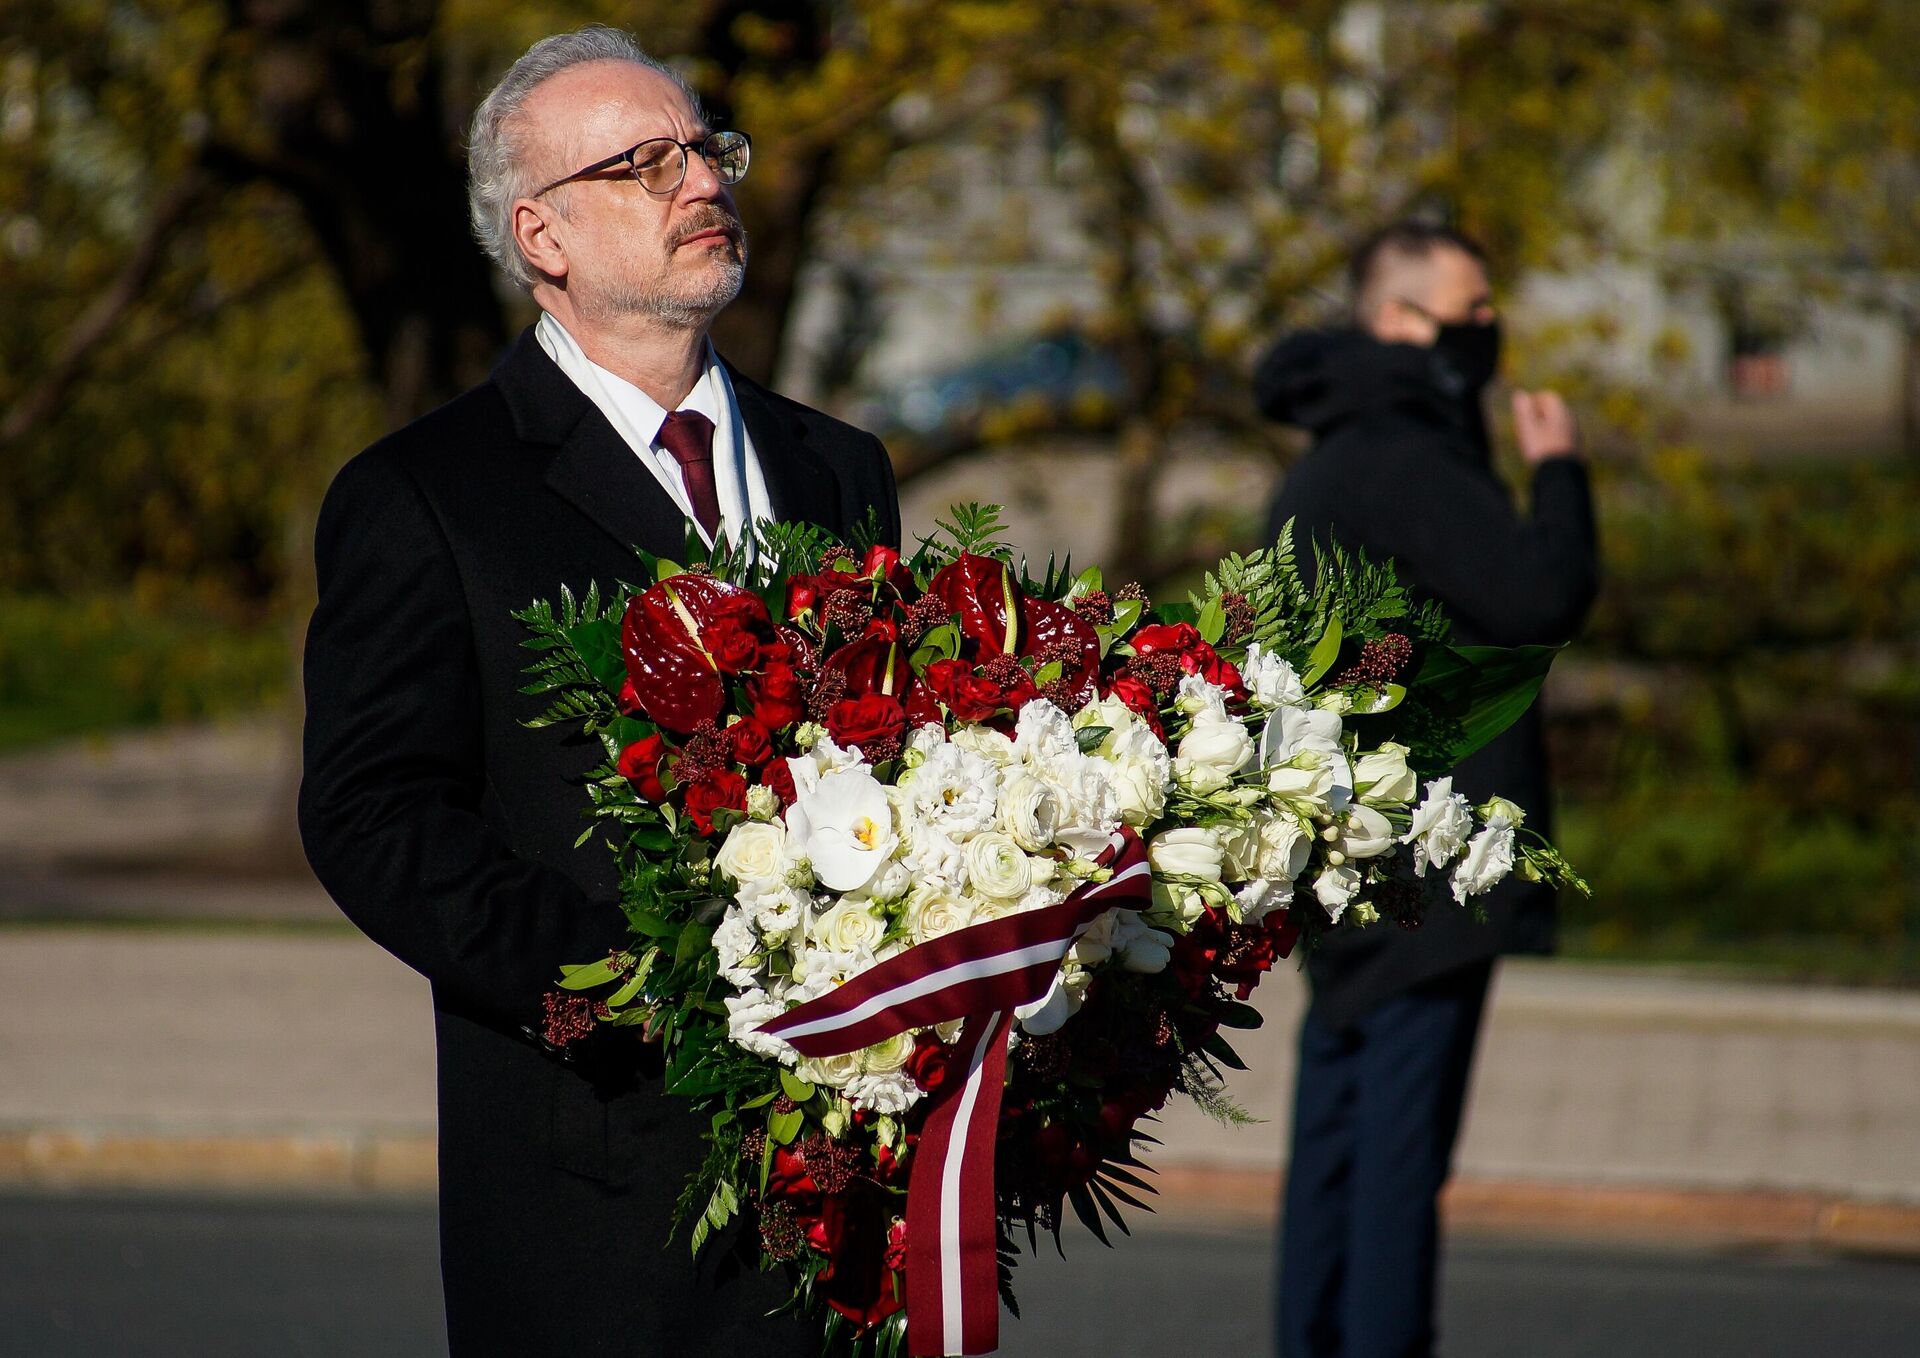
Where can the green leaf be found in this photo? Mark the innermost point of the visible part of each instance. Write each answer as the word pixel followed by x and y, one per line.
pixel 1234 1014
pixel 588 975
pixel 1212 622
pixel 1325 652
pixel 796 1088
pixel 1222 1051
pixel 1088 738
pixel 1391 696
pixel 1462 698
pixel 782 1128
pixel 1089 1214
pixel 664 569
pixel 598 645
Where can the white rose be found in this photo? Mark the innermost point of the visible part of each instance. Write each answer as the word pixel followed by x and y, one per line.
pixel 1029 811
pixel 1440 826
pixel 1366 833
pixel 849 927
pixel 754 851
pixel 1188 851
pixel 932 911
pixel 1271 680
pixel 1335 889
pixel 1383 777
pixel 998 867
pixel 832 1071
pixel 1489 858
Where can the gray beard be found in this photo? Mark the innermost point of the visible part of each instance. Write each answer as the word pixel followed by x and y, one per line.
pixel 680 310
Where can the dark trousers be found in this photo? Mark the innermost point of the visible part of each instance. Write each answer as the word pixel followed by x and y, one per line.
pixel 1375 1113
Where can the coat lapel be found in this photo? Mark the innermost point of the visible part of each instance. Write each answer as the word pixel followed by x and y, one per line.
pixel 593 469
pixel 799 482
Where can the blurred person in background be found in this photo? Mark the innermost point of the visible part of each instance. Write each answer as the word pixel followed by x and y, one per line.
pixel 1401 467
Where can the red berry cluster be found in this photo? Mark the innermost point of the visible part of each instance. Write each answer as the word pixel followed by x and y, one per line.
pixel 1095 606
pixel 828 1163
pixel 568 1017
pixel 1239 611
pixel 781 1233
pixel 1380 661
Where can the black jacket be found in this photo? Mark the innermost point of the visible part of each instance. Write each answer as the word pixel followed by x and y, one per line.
pixel 1400 467
pixel 445 829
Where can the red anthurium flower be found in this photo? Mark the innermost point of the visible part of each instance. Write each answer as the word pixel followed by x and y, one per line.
pixel 977 589
pixel 675 681
pixel 872 665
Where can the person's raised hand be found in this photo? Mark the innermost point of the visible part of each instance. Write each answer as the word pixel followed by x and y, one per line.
pixel 1544 426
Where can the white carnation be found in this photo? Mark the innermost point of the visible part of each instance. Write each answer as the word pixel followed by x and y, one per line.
pixel 1202 700
pixel 734 941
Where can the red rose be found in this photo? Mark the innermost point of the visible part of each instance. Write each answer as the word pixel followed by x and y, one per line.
pixel 787 1176
pixel 857 1228
pixel 730 645
pixel 1178 637
pixel 751 741
pixel 863 721
pixel 720 790
pixel 629 698
pixel 640 764
pixel 801 597
pixel 897 1245
pixel 880 560
pixel 968 696
pixel 778 775
pixel 1139 697
pixel 1203 660
pixel 927 1067
pixel 777 697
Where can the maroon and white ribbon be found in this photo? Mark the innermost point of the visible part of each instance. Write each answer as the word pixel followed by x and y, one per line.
pixel 981 973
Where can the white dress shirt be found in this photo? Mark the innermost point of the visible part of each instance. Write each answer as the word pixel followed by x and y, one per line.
pixel 637 417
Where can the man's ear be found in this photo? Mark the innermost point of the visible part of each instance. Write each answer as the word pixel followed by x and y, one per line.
pixel 535 236
pixel 1397 323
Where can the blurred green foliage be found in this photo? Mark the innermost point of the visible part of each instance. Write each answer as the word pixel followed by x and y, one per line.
pixel 80 665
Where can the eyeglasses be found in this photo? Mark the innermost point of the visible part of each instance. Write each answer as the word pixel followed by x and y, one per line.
pixel 1482 312
pixel 660 163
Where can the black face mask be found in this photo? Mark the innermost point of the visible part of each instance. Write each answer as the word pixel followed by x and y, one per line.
pixel 1466 356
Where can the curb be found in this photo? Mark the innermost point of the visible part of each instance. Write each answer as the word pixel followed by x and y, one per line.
pixel 403 1163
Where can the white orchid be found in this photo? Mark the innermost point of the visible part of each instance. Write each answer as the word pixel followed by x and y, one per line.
pixel 843 825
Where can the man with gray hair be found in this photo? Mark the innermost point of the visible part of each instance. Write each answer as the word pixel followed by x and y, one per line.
pixel 443 826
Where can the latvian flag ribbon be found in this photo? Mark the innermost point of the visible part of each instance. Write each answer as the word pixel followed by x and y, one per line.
pixel 981 973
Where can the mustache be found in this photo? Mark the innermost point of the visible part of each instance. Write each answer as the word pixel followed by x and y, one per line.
pixel 708 219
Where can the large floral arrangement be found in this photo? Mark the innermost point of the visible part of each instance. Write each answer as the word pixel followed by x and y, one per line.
pixel 941 877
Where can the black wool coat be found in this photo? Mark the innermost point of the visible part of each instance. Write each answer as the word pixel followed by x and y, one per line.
pixel 445 829
pixel 1400 467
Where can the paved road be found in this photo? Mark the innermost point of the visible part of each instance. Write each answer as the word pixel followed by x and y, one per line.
pixel 171 1278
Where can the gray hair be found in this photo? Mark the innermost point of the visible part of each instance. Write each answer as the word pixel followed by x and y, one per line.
pixel 497 141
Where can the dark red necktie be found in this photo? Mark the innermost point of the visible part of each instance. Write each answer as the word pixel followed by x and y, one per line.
pixel 688 435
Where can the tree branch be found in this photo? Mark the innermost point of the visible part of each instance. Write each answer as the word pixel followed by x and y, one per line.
pixel 101 320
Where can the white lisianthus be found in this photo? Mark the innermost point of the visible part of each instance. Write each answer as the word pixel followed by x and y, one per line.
pixel 763 803
pixel 1293 729
pixel 1239 851
pixel 1306 777
pixel 1497 809
pixel 843 825
pixel 933 910
pixel 1051 1010
pixel 1201 700
pixel 998 867
pixel 955 792
pixel 849 927
pixel 1284 849
pixel 1140 769
pixel 1488 860
pixel 1211 753
pixel 1095 943
pixel 735 941
pixel 1142 948
pixel 1365 833
pixel 1382 778
pixel 1335 700
pixel 1271 680
pixel 1364 913
pixel 1261 897
pixel 921 742
pixel 1335 889
pixel 1029 811
pixel 1187 851
pixel 745 1013
pixel 1440 826
pixel 754 851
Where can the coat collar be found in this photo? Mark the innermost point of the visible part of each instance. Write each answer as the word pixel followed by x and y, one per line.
pixel 595 471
